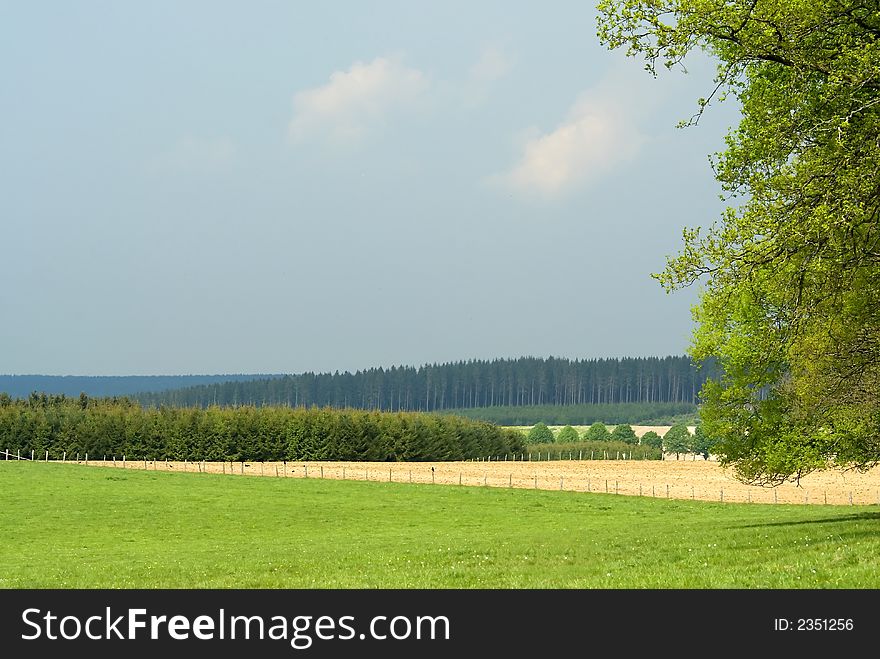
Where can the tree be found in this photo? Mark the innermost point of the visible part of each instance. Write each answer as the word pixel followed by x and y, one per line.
pixel 652 439
pixel 677 440
pixel 540 434
pixel 623 432
pixel 597 433
pixel 701 443
pixel 568 435
pixel 789 306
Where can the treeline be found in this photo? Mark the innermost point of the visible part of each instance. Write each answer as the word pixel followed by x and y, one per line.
pixel 610 450
pixel 119 426
pixel 585 415
pixel 22 386
pixel 527 381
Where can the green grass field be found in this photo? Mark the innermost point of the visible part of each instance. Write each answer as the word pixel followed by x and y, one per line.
pixel 69 526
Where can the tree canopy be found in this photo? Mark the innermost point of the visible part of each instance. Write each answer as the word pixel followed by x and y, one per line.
pixel 701 443
pixel 568 435
pixel 790 273
pixel 623 432
pixel 540 434
pixel 677 439
pixel 598 432
pixel 652 439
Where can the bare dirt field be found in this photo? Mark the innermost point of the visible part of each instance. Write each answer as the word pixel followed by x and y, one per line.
pixel 674 479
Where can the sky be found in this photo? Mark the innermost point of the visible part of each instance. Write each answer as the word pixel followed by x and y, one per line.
pixel 280 187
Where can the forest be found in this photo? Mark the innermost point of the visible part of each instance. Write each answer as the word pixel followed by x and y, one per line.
pixel 521 382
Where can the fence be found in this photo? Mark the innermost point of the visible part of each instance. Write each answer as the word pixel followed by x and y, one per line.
pixel 632 477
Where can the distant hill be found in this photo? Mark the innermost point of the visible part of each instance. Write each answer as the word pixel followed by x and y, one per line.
pixel 21 386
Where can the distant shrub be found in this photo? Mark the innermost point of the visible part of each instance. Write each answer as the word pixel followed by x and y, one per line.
pixel 652 440
pixel 623 432
pixel 597 433
pixel 540 434
pixel 567 435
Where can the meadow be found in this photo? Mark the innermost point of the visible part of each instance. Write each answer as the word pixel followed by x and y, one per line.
pixel 70 526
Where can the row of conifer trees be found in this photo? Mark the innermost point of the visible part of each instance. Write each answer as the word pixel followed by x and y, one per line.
pixel 118 426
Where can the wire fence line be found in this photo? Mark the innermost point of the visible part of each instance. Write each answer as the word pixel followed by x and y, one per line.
pixel 609 477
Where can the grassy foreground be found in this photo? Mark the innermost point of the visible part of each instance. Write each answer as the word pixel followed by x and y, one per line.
pixel 69 526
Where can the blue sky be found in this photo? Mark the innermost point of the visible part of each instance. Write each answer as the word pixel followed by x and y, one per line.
pixel 267 187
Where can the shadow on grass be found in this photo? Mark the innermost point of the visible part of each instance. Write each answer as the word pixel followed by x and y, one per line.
pixel 858 517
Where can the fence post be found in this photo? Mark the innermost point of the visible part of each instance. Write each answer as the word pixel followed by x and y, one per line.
pixel 7 454
pixel 64 457
pixel 510 480
pixel 667 490
pixel 47 456
pixel 536 481
pixel 459 478
pixel 32 456
pixel 87 459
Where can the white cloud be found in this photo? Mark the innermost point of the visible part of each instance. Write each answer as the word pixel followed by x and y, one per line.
pixel 600 132
pixel 355 101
